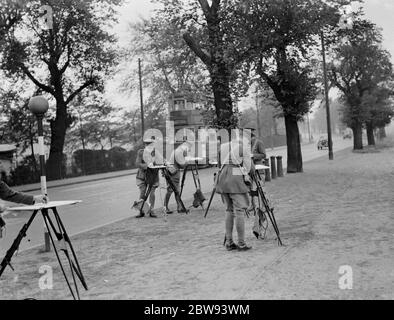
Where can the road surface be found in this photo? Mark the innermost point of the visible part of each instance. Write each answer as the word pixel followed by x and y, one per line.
pixel 109 200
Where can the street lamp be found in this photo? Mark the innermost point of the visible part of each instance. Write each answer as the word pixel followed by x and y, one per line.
pixel 39 106
pixel 345 22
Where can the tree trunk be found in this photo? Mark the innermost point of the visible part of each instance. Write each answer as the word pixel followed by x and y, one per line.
pixel 294 155
pixel 357 137
pixel 222 96
pixel 370 134
pixel 58 134
pixel 382 133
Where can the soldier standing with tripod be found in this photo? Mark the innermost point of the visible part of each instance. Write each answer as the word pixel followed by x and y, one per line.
pixel 147 177
pixel 234 186
pixel 178 162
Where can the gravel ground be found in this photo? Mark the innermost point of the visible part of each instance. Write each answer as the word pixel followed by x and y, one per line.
pixel 337 213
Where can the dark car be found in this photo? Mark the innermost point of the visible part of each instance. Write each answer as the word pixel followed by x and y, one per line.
pixel 322 143
pixel 347 136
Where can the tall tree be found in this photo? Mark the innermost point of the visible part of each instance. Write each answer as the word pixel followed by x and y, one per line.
pixel 380 111
pixel 360 70
pixel 73 55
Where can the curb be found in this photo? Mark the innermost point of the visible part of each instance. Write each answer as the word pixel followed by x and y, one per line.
pixel 31 189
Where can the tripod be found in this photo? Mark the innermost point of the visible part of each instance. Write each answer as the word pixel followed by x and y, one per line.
pixel 198 195
pixel 174 189
pixel 268 209
pixel 56 232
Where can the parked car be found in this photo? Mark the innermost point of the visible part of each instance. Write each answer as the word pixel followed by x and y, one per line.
pixel 322 143
pixel 347 136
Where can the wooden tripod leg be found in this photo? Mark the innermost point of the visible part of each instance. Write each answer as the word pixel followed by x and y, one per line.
pixel 210 201
pixel 196 178
pixel 75 266
pixel 46 219
pixel 177 195
pixel 183 179
pixel 146 196
pixel 15 245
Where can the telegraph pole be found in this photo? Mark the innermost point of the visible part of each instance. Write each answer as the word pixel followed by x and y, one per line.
pixel 309 128
pixel 258 111
pixel 141 100
pixel 330 151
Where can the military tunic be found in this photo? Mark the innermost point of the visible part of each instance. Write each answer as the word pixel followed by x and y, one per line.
pixel 7 194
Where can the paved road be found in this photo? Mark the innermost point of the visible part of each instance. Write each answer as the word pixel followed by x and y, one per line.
pixel 109 200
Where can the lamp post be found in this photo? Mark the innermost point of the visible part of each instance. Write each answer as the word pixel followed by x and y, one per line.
pixel 141 100
pixel 39 106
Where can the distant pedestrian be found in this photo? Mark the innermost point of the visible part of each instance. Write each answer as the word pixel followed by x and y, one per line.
pixel 146 176
pixel 234 186
pixel 257 145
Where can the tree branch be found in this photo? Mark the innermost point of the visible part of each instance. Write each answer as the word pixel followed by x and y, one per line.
pixel 35 81
pixel 164 71
pixel 205 8
pixel 79 90
pixel 69 51
pixel 215 6
pixel 193 45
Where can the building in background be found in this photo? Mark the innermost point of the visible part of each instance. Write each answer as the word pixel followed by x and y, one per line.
pixel 184 110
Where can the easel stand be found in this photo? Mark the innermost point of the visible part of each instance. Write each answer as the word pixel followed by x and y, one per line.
pixel 198 196
pixel 59 239
pixel 268 210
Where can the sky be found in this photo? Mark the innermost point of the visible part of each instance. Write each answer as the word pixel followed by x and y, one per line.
pixel 381 12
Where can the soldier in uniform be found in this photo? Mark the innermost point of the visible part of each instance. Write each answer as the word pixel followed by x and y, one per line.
pixel 146 176
pixel 232 184
pixel 8 194
pixel 257 145
pixel 178 162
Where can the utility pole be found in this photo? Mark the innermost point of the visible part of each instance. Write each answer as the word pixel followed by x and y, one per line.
pixel 141 100
pixel 309 128
pixel 330 151
pixel 258 111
